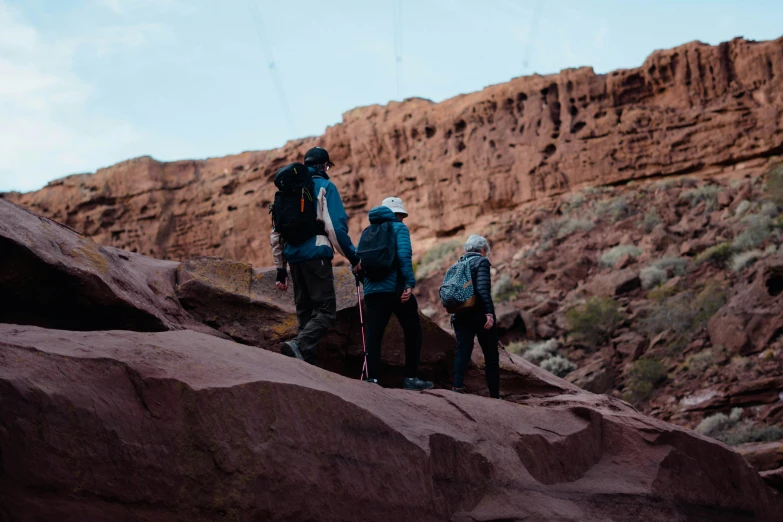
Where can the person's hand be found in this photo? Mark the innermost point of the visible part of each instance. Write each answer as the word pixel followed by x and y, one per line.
pixel 406 295
pixel 357 268
pixel 490 322
pixel 281 283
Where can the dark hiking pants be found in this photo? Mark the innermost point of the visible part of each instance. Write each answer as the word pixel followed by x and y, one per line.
pixel 466 327
pixel 316 305
pixel 380 308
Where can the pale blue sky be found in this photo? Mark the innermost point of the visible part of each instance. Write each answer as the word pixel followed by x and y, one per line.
pixel 87 83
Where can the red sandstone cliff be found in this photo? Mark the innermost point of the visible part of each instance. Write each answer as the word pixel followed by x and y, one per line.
pixel 459 163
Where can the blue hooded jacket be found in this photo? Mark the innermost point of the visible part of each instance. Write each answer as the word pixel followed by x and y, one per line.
pixel 330 210
pixel 403 277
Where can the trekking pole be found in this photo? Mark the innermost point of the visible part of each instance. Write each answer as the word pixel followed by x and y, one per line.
pixel 364 375
pixel 500 345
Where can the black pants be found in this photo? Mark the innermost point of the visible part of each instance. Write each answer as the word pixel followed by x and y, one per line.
pixel 467 326
pixel 380 307
pixel 316 305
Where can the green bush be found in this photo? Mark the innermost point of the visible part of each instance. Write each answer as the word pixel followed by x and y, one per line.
pixel 757 229
pixel 614 208
pixel 650 220
pixel 706 193
pixel 773 189
pixel 595 321
pixel 653 276
pixel 506 288
pixel 559 228
pixel 538 352
pixel 644 376
pixel 718 255
pixel 743 207
pixel 573 202
pixel 612 256
pixel 434 257
pixel 741 261
pixel 730 430
pixel 708 302
pixel 558 365
pixel 699 362
pixel 677 265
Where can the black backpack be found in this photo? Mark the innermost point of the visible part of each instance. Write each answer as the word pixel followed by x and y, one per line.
pixel 294 210
pixel 378 251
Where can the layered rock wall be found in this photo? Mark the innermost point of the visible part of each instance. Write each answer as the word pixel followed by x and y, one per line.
pixel 459 163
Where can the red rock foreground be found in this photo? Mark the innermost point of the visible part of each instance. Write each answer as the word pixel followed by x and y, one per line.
pixel 186 426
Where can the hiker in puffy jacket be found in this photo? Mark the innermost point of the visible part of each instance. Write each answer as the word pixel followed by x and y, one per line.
pixel 311 262
pixel 478 321
pixel 394 295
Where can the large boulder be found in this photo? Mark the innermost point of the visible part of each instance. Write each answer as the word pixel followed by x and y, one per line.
pixel 753 317
pixel 54 277
pixel 179 425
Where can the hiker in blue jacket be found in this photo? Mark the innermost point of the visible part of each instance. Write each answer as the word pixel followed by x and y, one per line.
pixel 311 262
pixel 394 295
pixel 479 321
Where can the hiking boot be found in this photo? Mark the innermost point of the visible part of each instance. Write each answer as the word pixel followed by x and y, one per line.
pixel 459 389
pixel 414 383
pixel 291 349
pixel 372 381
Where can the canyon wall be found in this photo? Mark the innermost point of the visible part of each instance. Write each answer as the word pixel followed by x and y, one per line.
pixel 458 164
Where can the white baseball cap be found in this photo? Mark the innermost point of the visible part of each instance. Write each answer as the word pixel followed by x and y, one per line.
pixel 395 204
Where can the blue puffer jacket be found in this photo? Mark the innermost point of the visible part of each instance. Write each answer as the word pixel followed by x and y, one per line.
pixel 330 210
pixel 403 277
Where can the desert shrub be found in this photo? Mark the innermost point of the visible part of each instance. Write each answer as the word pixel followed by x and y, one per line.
pixel 614 208
pixel 506 288
pixel 559 228
pixel 770 209
pixel 684 313
pixel 748 431
pixel 595 321
pixel 714 423
pixel 517 347
pixel 706 193
pixel 757 229
pixel 434 257
pixel 673 314
pixel 741 261
pixel 558 365
pixel 573 202
pixel 699 362
pixel 662 293
pixel 731 430
pixel 743 207
pixel 677 265
pixel 653 276
pixel 612 256
pixel 773 189
pixel 644 376
pixel 537 352
pixel 708 302
pixel 649 221
pixel 718 255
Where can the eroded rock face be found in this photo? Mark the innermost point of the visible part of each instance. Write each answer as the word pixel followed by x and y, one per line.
pixel 180 425
pixel 753 318
pixel 457 164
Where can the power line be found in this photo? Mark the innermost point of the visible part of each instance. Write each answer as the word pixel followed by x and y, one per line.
pixel 397 17
pixel 531 34
pixel 273 72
